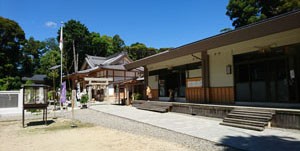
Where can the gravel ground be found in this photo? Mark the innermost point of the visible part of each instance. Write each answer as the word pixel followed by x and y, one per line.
pixel 130 126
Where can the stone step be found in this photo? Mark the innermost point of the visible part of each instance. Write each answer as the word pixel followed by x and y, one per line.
pixel 245 122
pixel 153 106
pixel 243 126
pixel 252 117
pixel 155 109
pixel 252 113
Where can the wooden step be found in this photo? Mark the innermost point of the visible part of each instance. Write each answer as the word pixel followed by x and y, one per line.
pixel 245 122
pixel 243 126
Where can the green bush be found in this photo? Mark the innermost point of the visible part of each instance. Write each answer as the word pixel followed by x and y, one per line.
pixel 84 99
pixel 137 96
pixel 51 95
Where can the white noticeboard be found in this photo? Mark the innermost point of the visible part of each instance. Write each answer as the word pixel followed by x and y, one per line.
pixel 191 84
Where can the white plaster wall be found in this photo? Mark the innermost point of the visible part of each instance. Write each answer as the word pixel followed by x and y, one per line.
pixel 218 60
pixel 222 56
pixel 195 73
pixel 111 90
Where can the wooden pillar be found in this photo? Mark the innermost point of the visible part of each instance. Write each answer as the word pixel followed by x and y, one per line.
pixel 124 75
pixel 74 83
pixel 205 76
pixel 146 74
pixel 23 116
pixel 113 75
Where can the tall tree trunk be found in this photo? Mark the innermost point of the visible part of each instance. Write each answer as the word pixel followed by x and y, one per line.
pixel 77 55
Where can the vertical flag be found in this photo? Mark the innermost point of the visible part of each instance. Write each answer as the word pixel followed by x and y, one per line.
pixel 61 39
pixel 63 85
pixel 63 93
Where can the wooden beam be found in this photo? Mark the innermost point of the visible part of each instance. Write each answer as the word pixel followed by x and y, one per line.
pixel 98 79
pixel 146 74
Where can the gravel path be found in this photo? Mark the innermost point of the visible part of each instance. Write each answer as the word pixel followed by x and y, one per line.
pixel 130 126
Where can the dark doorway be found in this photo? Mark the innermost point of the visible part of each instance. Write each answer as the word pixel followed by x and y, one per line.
pixel 172 79
pixel 266 77
pixel 98 94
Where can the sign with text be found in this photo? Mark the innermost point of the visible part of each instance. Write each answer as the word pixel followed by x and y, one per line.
pixel 194 82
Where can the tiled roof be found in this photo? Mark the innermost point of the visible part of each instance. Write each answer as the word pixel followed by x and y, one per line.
pixel 94 61
pixel 36 77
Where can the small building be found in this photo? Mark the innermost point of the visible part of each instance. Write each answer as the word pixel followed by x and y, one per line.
pixel 258 64
pixel 97 74
pixel 37 78
pixel 129 90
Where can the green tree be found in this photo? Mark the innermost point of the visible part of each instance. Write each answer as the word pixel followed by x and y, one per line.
pixel 75 35
pixel 50 44
pixel 118 44
pixel 50 58
pixel 32 51
pixel 95 45
pixel 12 38
pixel 106 44
pixel 244 12
pixel 10 83
pixel 138 51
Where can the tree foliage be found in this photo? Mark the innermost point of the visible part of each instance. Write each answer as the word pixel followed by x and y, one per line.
pixel 12 38
pixel 32 51
pixel 244 12
pixel 25 57
pixel 74 32
pixel 10 83
pixel 106 44
pixel 49 59
pixel 138 51
pixel 118 44
pixel 95 43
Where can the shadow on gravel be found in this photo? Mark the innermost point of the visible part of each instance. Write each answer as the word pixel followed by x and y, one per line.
pixel 38 123
pixel 262 143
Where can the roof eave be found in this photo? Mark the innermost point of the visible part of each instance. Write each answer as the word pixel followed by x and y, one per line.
pixel 252 31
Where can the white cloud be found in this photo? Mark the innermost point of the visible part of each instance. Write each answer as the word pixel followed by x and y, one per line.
pixel 51 24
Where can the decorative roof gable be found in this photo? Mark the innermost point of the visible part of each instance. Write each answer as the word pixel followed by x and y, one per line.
pixel 113 60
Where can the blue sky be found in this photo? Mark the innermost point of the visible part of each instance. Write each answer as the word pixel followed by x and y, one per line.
pixel 156 23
